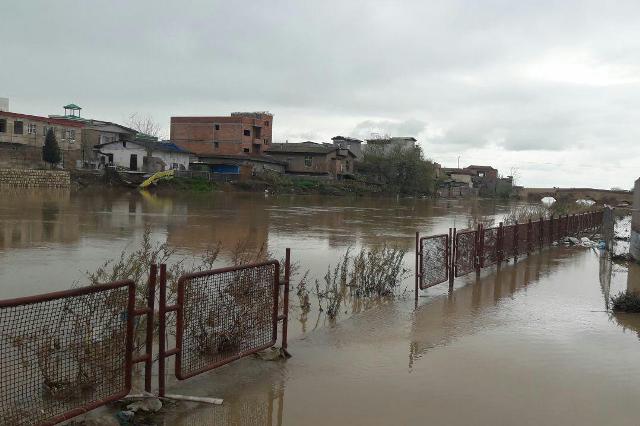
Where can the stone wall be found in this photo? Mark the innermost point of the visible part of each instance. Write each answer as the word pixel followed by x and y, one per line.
pixel 34 178
pixel 634 246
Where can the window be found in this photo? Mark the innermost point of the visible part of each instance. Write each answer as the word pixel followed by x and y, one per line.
pixel 72 136
pixel 18 127
pixel 246 150
pixel 247 132
pixel 3 125
pixel 266 124
pixel 216 126
pixel 124 144
pixel 63 134
pixel 481 174
pixel 307 161
pixel 31 129
pixel 175 166
pixel 266 141
pixel 216 145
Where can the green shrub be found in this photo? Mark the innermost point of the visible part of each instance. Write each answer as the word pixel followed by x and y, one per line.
pixel 626 301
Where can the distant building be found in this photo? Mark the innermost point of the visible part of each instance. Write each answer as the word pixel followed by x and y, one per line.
pixel 22 138
pixel 143 156
pixel 98 132
pixel 4 104
pixel 387 145
pixel 238 133
pixel 314 159
pixel 352 144
pixel 487 172
pixel 459 176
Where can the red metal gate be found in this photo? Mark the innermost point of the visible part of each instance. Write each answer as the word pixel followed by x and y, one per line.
pixel 465 252
pixel 223 315
pixel 489 240
pixel 65 353
pixel 434 260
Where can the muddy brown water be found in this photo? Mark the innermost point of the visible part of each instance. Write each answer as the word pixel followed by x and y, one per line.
pixel 530 343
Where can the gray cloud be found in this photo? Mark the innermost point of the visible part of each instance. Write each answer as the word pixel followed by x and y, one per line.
pixel 463 76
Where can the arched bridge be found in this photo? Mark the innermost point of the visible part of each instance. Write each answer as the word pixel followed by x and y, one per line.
pixel 600 196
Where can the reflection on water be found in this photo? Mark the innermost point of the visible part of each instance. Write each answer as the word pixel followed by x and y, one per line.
pixel 537 330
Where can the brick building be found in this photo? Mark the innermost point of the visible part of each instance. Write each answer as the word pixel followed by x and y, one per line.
pixel 22 138
pixel 239 133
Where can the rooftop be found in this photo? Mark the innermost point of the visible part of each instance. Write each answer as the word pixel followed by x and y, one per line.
pixel 62 121
pixel 302 147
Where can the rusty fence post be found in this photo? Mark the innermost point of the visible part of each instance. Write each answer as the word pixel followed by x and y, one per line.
pixel 417 274
pixel 151 297
pixel 285 307
pixel 162 312
pixel 451 252
pixel 480 249
pixel 500 244
pixel 516 241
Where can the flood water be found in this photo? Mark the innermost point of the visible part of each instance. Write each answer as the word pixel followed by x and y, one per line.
pixel 530 343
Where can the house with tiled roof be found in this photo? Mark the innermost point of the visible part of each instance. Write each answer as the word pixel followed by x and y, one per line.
pixel 314 159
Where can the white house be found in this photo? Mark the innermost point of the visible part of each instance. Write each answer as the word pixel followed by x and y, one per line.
pixel 143 155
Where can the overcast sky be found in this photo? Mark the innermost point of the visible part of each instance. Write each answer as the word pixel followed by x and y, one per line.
pixel 548 88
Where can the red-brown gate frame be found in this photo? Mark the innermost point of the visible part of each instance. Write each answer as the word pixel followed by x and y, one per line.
pixel 420 257
pixel 131 312
pixel 179 309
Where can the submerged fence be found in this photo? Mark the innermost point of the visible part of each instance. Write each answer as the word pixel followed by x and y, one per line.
pixel 65 353
pixel 442 258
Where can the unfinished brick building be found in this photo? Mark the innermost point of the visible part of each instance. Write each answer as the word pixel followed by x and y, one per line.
pixel 239 133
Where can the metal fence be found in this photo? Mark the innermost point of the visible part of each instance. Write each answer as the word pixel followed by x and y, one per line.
pixel 475 249
pixel 434 260
pixel 64 353
pixel 223 315
pixel 465 252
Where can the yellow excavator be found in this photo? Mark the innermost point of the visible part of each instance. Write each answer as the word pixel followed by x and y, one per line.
pixel 168 174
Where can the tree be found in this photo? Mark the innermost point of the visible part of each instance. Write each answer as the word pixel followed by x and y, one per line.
pixel 144 124
pixel 50 150
pixel 401 170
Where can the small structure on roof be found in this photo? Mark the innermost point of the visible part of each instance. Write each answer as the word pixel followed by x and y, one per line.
pixel 72 111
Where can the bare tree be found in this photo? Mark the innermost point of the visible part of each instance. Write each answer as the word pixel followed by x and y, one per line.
pixel 145 124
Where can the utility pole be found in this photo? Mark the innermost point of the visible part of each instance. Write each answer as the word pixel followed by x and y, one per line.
pixel 459 160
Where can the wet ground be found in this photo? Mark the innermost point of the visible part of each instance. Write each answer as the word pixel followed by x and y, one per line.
pixel 530 343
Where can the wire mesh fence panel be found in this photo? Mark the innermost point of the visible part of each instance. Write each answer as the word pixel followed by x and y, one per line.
pixel 490 247
pixel 224 315
pixel 434 264
pixel 465 252
pixel 546 232
pixel 64 353
pixel 509 244
pixel 535 235
pixel 523 236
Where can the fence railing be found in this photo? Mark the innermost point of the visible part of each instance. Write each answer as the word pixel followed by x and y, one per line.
pixel 65 353
pixel 447 256
pixel 223 315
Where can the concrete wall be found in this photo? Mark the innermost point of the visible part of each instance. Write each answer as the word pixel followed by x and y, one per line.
pixel 634 246
pixel 34 178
